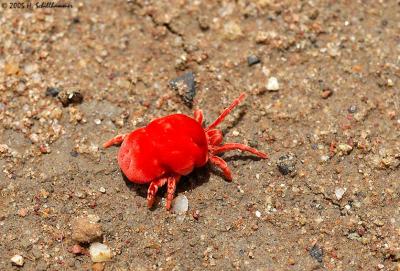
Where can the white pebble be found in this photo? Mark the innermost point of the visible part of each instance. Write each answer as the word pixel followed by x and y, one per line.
pixel 325 158
pixel 258 176
pixel 17 260
pixel 258 214
pixel 235 133
pixel 339 192
pixel 102 189
pixel 97 121
pixel 31 68
pixel 34 138
pixel 93 218
pixel 99 252
pixel 273 84
pixel 180 205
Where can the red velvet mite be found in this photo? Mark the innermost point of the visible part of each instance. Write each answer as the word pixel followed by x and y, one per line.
pixel 172 146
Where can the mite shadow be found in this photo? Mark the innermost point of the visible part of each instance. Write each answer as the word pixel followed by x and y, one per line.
pixel 197 178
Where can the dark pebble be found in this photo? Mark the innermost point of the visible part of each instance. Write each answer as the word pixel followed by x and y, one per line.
pixel 314 14
pixel 287 164
pixel 68 97
pixel 252 60
pixel 326 93
pixel 74 154
pixel 352 109
pixel 317 253
pixel 185 85
pixel 52 91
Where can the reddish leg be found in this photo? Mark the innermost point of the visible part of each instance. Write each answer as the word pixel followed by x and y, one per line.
pixel 237 146
pixel 215 137
pixel 115 141
pixel 153 188
pixel 172 181
pixel 198 116
pixel 226 112
pixel 219 162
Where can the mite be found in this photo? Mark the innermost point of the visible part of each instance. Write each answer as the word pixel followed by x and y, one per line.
pixel 171 147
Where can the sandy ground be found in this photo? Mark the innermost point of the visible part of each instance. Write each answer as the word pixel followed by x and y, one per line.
pixel 326 199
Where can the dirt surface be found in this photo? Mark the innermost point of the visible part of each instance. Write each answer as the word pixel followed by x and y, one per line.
pixel 326 199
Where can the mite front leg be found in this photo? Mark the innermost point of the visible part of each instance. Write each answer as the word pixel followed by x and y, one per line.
pixel 153 188
pixel 237 146
pixel 198 116
pixel 219 162
pixel 115 141
pixel 172 181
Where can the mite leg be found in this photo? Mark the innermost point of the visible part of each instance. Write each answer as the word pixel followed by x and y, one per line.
pixel 153 188
pixel 115 141
pixel 237 146
pixel 219 162
pixel 215 137
pixel 226 111
pixel 172 181
pixel 198 116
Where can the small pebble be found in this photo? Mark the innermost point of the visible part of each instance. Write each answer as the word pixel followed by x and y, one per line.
pixel 23 212
pixel 76 249
pixel 317 253
pixel 273 84
pixel 352 109
pixel 99 252
pixel 180 205
pixel 102 190
pixel 56 113
pixel 339 192
pixel 326 93
pixel 235 133
pixel 390 83
pixel 232 31
pixel 52 91
pixel 31 68
pixel 85 231
pixel 252 60
pixel 93 218
pixel 196 214
pixel 287 164
pixel 258 214
pixel 34 138
pixel 97 121
pixel 17 260
pixel 345 148
pixel 68 97
pixel 20 87
pixel 185 85
pixel 324 158
pixel 98 267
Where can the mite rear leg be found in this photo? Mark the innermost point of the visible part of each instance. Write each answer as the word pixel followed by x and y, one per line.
pixel 172 181
pixel 153 188
pixel 237 146
pixel 115 141
pixel 220 163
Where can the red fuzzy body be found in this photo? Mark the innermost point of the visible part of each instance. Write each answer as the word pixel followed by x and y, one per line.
pixel 172 144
